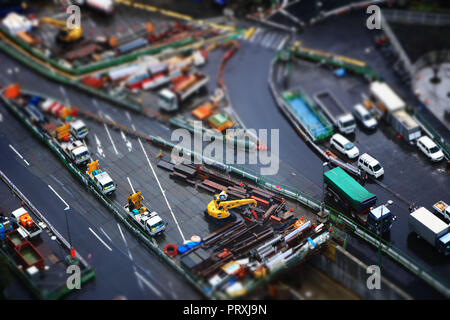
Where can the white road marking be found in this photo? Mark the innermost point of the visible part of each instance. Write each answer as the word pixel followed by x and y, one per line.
pixel 100 239
pixel 147 283
pixel 1 117
pixel 110 138
pixel 132 189
pixel 60 198
pixel 162 191
pixel 106 235
pixel 99 146
pixel 126 243
pixel 20 156
pixel 133 127
pixel 128 115
pixel 127 142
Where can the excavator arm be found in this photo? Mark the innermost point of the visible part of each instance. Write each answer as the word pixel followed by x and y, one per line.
pixel 66 34
pixel 235 203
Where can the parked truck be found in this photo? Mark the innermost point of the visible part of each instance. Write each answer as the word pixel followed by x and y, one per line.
pixel 150 222
pixel 393 109
pixel 432 229
pixel 27 227
pixel 100 178
pixel 442 209
pixel 348 195
pixel 75 149
pixel 342 119
pixel 183 87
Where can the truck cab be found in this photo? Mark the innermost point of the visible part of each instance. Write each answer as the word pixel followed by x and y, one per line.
pixel 443 244
pixel 104 182
pixel 167 100
pixel 80 153
pixel 380 219
pixel 78 129
pixel 346 123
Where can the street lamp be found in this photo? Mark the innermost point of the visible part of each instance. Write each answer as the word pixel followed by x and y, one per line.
pixel 323 181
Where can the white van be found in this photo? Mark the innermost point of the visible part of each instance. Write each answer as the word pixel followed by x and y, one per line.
pixel 343 145
pixel 430 149
pixel 364 117
pixel 370 165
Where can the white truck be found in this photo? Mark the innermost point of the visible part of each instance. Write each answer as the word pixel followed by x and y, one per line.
pixel 342 120
pixel 443 210
pixel 150 222
pixel 27 226
pixel 183 88
pixel 76 150
pixel 101 178
pixel 78 129
pixel 432 229
pixel 106 6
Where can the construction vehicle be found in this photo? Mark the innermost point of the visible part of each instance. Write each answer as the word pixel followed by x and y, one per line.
pixel 432 229
pixel 183 87
pixel 105 6
pixel 442 209
pixel 150 222
pixel 332 108
pixel 65 34
pixel 101 178
pixel 349 196
pixel 75 149
pixel 27 226
pixel 218 209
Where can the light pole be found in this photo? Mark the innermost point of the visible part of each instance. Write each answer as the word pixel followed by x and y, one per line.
pixel 323 181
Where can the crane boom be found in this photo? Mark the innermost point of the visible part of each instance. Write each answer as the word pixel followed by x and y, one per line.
pixel 218 209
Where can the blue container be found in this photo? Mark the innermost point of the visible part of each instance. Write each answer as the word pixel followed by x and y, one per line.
pixel 133 45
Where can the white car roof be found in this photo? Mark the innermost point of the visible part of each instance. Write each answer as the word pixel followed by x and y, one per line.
pixel 371 160
pixel 361 109
pixel 77 124
pixel 427 141
pixel 340 138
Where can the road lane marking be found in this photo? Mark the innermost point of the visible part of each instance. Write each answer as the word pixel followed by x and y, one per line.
pixel 67 206
pixel 126 243
pixel 148 284
pixel 162 191
pixel 20 156
pixel 106 235
pixel 99 146
pixel 110 138
pixel 132 189
pixel 127 142
pixel 100 239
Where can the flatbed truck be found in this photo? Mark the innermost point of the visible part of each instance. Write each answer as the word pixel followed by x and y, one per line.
pixel 150 222
pixel 27 227
pixel 342 119
pixel 100 178
pixel 430 228
pixel 183 87
pixel 347 194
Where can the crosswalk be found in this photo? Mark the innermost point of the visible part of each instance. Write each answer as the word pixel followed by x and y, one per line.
pixel 268 38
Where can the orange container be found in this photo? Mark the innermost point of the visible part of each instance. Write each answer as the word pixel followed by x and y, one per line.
pixel 12 91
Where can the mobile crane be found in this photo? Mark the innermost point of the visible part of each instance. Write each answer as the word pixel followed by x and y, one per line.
pixel 218 209
pixel 65 35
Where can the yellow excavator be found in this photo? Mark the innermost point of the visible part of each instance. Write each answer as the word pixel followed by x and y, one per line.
pixel 218 209
pixel 65 34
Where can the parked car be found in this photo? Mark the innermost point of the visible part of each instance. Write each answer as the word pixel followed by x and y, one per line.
pixel 370 165
pixel 430 148
pixel 364 117
pixel 345 146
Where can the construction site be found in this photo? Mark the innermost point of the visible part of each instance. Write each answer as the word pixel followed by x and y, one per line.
pixel 128 130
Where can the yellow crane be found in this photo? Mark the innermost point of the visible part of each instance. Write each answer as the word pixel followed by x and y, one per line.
pixel 218 209
pixel 65 34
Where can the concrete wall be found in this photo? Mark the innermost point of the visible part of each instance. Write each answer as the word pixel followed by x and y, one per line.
pixel 351 273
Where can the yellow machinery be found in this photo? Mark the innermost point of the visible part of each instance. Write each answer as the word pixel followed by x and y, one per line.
pixel 65 34
pixel 135 202
pixel 218 209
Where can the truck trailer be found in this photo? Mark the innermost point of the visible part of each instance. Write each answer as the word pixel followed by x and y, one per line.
pixel 342 119
pixel 432 229
pixel 393 109
pixel 347 194
pixel 183 87
pixel 27 227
